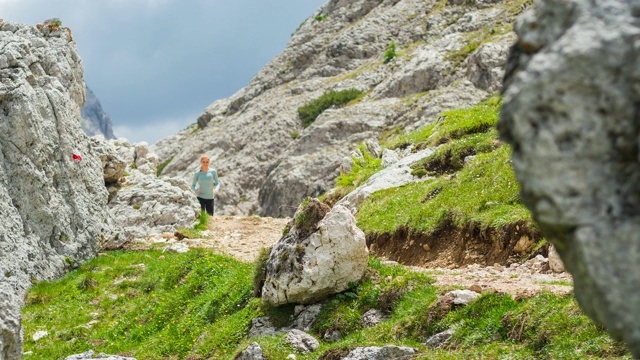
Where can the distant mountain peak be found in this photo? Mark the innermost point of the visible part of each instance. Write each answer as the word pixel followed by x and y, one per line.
pixel 95 121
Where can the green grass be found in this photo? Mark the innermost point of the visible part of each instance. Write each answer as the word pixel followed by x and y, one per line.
pixel 151 305
pixel 147 304
pixel 362 170
pixel 485 191
pixel 163 165
pixel 202 225
pixel 390 52
pixel 311 110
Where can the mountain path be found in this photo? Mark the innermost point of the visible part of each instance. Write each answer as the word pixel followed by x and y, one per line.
pixel 243 237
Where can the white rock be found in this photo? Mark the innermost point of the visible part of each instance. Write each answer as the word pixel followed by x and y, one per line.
pixel 325 263
pixel 463 297
pixel 302 341
pixel 39 335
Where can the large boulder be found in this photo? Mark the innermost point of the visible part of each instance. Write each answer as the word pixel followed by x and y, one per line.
pixel 319 256
pixel 53 208
pixel 571 114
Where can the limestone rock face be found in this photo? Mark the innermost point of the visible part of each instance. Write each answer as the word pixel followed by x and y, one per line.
pixel 571 114
pixel 306 269
pixel 268 162
pixel 53 208
pixel 143 204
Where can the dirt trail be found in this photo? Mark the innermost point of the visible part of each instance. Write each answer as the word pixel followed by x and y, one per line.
pixel 244 238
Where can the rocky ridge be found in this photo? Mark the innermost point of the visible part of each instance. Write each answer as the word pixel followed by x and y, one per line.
pixel 449 55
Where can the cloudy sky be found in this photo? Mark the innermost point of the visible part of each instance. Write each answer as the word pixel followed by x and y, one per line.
pixel 156 64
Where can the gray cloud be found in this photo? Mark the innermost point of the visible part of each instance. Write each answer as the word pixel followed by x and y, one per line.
pixel 161 62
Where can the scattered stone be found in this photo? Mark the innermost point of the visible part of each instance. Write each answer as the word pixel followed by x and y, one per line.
pixel 555 263
pixel 39 335
pixel 262 326
pixel 332 336
pixel 305 316
pixel 373 317
pixel 176 248
pixel 90 355
pixel 439 339
pixel 463 297
pixel 302 341
pixel 389 157
pixel 252 352
pixel 390 352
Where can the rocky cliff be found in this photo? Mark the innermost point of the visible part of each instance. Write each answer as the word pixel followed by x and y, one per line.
pixel 95 121
pixel 53 202
pixel 412 59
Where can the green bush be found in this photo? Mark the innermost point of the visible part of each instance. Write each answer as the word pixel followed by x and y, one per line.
pixel 390 52
pixel 163 165
pixel 311 110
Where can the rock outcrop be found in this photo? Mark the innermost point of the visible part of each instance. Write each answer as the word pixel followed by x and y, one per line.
pixel 571 114
pixel 141 203
pixel 95 121
pixel 53 208
pixel 319 256
pixel 268 162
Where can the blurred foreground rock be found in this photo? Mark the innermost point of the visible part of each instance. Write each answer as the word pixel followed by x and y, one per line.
pixel 571 114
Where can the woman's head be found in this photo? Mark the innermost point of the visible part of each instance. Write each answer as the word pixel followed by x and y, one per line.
pixel 204 161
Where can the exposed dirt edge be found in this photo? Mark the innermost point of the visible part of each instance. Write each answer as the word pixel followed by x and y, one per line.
pixel 453 246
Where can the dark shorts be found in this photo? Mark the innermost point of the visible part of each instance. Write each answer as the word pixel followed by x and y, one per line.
pixel 206 204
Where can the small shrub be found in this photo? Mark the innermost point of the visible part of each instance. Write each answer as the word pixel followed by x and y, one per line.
pixel 390 52
pixel 163 165
pixel 322 17
pixel 306 222
pixel 309 112
pixel 295 134
pixel 260 271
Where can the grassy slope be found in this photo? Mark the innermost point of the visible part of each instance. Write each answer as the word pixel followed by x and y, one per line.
pixel 484 191
pixel 198 305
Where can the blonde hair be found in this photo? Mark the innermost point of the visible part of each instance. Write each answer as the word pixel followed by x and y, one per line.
pixel 205 156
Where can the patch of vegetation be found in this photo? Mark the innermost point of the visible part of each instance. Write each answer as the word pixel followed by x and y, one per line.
pixel 488 179
pixel 199 305
pixel 260 271
pixel 198 228
pixel 450 157
pixel 390 52
pixel 199 300
pixel 163 165
pixel 310 111
pixel 307 219
pixel 295 134
pixel 474 40
pixel 321 17
pixel 363 168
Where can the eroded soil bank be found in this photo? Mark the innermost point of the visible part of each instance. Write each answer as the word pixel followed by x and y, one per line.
pixel 465 257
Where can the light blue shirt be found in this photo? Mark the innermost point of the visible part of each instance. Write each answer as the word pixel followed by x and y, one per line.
pixel 205 182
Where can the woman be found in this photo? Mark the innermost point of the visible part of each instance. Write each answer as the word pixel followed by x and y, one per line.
pixel 206 184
